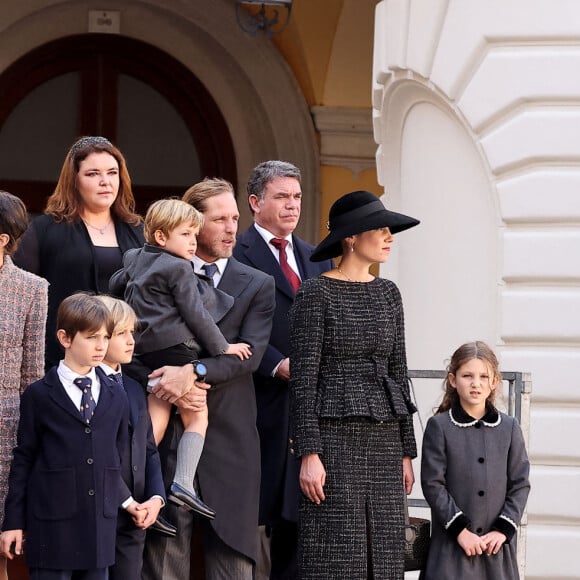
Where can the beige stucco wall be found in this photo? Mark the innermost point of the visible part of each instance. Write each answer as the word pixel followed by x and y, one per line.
pixel 477 117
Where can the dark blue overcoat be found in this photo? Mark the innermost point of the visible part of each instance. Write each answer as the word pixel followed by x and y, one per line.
pixel 280 489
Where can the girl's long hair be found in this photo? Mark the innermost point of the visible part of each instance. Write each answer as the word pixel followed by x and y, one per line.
pixel 462 355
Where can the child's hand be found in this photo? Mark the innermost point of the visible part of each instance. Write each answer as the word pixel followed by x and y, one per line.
pixel 152 508
pixel 137 514
pixel 472 544
pixel 8 538
pixel 240 349
pixel 495 541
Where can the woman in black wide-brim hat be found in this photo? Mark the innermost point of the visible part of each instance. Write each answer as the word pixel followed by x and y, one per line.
pixel 351 410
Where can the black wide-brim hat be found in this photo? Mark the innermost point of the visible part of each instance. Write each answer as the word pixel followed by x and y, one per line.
pixel 355 213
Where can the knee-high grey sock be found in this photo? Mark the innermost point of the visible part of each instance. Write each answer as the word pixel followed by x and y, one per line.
pixel 188 454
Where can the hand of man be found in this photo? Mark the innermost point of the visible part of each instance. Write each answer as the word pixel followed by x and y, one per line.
pixel 195 399
pixel 174 382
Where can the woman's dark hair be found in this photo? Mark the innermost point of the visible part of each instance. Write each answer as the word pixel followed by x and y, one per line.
pixel 65 202
pixel 462 355
pixel 13 220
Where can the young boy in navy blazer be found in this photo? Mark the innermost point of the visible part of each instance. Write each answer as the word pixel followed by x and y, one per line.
pixel 65 478
pixel 140 465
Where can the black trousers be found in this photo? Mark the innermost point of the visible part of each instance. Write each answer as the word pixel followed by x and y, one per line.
pixel 129 547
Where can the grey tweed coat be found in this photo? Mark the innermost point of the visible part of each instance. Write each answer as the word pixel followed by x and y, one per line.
pixel 350 404
pixel 474 474
pixel 23 306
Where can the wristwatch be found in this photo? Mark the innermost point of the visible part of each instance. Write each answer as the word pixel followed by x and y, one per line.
pixel 200 370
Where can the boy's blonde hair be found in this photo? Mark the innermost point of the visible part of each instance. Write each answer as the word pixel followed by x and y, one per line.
pixel 122 314
pixel 166 214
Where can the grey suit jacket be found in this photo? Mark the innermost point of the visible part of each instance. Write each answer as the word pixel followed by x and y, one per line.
pixel 172 303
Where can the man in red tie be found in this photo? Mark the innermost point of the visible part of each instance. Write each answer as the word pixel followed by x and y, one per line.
pixel 270 245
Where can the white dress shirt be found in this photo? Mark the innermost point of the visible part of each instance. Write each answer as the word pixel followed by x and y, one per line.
pixel 67 376
pixel 221 264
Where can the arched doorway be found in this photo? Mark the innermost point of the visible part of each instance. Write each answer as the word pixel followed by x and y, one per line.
pixel 159 114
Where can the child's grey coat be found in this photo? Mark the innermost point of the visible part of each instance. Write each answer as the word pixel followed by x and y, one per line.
pixel 474 474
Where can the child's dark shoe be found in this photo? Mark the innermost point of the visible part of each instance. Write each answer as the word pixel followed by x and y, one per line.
pixel 190 500
pixel 163 527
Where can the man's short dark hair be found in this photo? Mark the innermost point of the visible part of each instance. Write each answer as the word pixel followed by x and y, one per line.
pixel 265 172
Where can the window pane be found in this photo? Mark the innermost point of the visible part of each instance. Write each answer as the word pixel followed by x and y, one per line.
pixel 39 131
pixel 153 138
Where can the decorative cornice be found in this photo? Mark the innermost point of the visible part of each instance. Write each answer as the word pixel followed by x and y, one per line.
pixel 346 137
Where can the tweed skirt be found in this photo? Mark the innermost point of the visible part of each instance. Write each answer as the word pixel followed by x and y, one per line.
pixel 357 533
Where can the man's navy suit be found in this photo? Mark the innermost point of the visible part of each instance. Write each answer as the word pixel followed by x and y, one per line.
pixel 280 488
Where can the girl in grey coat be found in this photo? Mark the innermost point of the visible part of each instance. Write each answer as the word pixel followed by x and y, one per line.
pixel 474 474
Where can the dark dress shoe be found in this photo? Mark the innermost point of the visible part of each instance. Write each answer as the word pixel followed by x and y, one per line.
pixel 189 500
pixel 163 527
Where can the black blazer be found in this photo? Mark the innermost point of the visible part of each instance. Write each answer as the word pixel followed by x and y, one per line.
pixel 63 254
pixel 280 489
pixel 140 464
pixel 65 478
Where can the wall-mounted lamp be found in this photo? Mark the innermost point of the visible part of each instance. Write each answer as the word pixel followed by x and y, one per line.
pixel 253 16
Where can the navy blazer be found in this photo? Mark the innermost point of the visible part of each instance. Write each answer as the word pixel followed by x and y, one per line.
pixel 142 479
pixel 280 489
pixel 140 464
pixel 65 478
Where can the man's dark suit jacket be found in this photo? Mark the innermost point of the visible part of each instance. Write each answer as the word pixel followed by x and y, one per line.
pixel 229 469
pixel 142 479
pixel 65 477
pixel 280 489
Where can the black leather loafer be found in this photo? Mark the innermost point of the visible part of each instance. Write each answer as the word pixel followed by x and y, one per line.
pixel 163 527
pixel 183 497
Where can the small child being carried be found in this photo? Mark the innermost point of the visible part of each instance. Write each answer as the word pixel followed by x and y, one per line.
pixel 177 312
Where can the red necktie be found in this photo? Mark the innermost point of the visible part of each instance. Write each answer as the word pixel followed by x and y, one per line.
pixel 292 277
